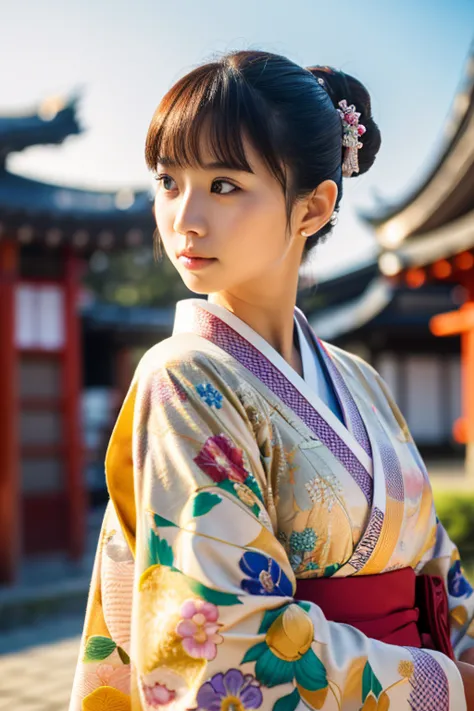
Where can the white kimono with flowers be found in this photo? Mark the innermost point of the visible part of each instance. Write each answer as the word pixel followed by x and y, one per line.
pixel 229 479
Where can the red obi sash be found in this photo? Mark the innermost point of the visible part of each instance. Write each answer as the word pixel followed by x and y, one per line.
pixel 398 607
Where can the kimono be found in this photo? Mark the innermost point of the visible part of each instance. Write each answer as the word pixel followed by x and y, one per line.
pixel 229 480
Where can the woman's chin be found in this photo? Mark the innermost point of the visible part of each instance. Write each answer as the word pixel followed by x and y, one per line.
pixel 200 283
pixel 196 284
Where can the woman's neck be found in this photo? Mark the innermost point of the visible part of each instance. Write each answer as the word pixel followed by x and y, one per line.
pixel 272 321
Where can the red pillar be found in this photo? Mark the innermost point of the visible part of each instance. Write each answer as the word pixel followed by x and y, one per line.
pixel 72 386
pixel 10 543
pixel 467 378
pixel 461 323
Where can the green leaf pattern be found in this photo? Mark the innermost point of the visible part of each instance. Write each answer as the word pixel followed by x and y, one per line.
pixel 163 522
pixel 205 502
pixel 159 551
pixel 288 703
pixel 99 648
pixel 370 683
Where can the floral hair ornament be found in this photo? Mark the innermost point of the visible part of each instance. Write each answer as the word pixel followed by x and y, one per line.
pixel 350 140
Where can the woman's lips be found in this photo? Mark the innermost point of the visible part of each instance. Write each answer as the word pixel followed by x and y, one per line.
pixel 195 263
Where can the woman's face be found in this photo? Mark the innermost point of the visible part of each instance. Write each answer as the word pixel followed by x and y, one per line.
pixel 224 230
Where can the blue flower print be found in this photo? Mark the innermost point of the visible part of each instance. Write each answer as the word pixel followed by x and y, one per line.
pixel 265 577
pixel 210 395
pixel 458 585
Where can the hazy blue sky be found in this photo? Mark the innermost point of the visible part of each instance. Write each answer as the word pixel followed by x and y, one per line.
pixel 125 55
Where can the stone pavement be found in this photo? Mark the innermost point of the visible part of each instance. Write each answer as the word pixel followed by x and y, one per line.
pixel 50 584
pixel 41 619
pixel 37 665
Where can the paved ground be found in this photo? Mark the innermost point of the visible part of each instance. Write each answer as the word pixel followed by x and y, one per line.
pixel 37 665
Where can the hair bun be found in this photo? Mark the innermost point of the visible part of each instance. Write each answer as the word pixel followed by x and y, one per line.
pixel 341 86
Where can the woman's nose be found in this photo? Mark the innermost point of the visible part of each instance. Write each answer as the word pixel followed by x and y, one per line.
pixel 190 216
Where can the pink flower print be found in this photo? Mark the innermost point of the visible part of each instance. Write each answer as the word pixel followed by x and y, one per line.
pixel 95 675
pixel 158 695
pixel 414 482
pixel 220 459
pixel 118 677
pixel 163 689
pixel 198 628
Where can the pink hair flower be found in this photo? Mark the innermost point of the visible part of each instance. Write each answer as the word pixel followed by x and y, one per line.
pixel 352 130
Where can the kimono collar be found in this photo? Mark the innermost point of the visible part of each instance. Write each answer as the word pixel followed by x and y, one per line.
pixel 238 339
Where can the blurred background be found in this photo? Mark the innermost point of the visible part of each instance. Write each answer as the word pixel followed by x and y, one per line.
pixel 81 296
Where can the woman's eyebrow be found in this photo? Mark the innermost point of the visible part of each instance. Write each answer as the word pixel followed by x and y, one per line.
pixel 214 165
pixel 225 166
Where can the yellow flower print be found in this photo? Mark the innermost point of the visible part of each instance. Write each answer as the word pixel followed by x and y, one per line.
pixel 244 494
pixel 383 704
pixel 458 616
pixel 314 699
pixel 406 669
pixel 107 699
pixel 379 700
pixel 353 684
pixel 286 654
pixel 370 703
pixel 291 634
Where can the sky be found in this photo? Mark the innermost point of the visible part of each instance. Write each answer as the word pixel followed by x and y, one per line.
pixel 123 56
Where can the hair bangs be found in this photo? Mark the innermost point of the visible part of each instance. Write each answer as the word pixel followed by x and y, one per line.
pixel 200 113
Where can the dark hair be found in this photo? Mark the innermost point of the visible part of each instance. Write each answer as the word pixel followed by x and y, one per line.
pixel 286 112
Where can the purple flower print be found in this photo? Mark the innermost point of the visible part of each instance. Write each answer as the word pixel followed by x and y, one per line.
pixel 232 687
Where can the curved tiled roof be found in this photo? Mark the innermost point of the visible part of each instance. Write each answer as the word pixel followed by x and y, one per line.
pixel 444 193
pixel 50 123
pixel 33 210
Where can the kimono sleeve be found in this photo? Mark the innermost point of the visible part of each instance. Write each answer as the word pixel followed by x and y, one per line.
pixel 443 559
pixel 215 622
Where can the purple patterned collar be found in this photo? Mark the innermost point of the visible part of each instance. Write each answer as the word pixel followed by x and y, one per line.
pixel 225 330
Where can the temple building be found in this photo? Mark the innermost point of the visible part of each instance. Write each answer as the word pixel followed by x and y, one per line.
pixel 406 310
pixel 47 233
pixel 388 325
pixel 428 240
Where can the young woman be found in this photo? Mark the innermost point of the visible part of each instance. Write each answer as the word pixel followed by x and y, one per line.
pixel 271 541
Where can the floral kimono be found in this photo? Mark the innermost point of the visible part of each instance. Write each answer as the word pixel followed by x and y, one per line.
pixel 230 479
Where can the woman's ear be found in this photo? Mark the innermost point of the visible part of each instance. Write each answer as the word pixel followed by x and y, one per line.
pixel 318 207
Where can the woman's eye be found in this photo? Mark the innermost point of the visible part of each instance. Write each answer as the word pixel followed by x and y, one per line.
pixel 221 187
pixel 166 182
